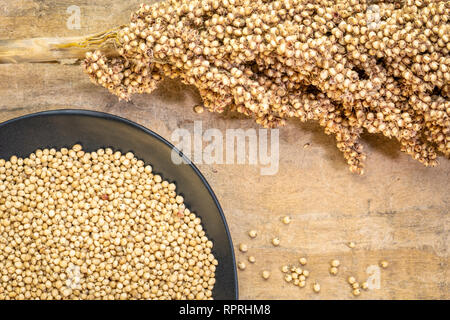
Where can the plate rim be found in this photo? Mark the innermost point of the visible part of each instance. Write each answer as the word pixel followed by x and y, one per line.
pixel 109 116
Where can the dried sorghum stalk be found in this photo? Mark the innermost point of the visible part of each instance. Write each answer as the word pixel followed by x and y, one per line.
pixel 351 65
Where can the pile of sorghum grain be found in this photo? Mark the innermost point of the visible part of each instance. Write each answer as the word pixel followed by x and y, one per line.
pixel 350 65
pixel 97 225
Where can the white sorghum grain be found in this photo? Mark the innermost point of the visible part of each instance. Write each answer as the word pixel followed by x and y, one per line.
pixel 333 271
pixel 97 225
pixel 356 292
pixel 265 274
pixel 335 263
pixel 286 220
pixel 276 241
pixel 252 233
pixel 316 287
pixel 199 109
pixel 243 247
pixel 288 278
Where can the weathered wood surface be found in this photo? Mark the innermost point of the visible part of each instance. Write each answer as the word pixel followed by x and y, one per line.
pixel 398 211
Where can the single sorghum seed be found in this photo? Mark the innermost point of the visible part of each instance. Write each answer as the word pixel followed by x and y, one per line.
pixel 276 241
pixel 335 263
pixel 316 287
pixel 356 292
pixel 265 274
pixel 288 278
pixel 351 280
pixel 243 247
pixel 286 220
pixel 252 233
pixel 198 109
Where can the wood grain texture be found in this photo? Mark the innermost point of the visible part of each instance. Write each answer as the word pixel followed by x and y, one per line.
pixel 398 211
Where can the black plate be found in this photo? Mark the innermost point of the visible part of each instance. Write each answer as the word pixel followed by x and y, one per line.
pixel 94 130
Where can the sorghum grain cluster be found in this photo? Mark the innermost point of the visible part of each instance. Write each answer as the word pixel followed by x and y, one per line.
pixel 350 65
pixel 295 275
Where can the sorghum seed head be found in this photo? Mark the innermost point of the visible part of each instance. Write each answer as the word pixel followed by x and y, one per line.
pixel 320 67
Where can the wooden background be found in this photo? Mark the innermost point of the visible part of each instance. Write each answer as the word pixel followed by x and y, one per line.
pixel 398 211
